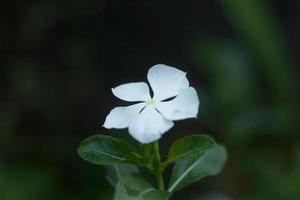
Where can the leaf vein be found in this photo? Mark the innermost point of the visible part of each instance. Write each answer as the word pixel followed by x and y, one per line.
pixel 184 174
pixel 110 155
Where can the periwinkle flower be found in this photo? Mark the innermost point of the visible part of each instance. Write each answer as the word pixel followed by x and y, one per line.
pixel 153 116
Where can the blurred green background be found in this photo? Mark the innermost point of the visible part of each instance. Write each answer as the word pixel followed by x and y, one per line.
pixel 59 60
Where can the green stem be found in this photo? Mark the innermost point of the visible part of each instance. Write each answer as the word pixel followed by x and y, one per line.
pixel 160 181
pixel 158 170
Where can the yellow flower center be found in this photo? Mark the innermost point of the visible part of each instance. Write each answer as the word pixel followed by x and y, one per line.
pixel 150 102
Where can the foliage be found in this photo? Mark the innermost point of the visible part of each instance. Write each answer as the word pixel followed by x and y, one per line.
pixel 195 157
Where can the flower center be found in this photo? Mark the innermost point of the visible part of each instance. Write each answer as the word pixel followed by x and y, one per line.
pixel 150 102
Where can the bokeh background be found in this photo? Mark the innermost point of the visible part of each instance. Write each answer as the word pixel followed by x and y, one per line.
pixel 59 60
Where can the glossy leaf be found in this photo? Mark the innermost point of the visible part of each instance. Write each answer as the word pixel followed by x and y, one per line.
pixel 136 183
pixel 115 172
pixel 189 146
pixel 155 195
pixel 105 150
pixel 135 187
pixel 121 193
pixel 197 167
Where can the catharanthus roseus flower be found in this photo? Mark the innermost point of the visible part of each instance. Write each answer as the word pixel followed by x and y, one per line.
pixel 153 116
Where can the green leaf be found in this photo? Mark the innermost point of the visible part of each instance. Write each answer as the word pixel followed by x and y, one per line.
pixel 197 167
pixel 135 187
pixel 115 172
pixel 150 194
pixel 106 150
pixel 155 195
pixel 121 193
pixel 136 183
pixel 189 146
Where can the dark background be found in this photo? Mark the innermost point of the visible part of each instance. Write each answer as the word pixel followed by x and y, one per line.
pixel 59 59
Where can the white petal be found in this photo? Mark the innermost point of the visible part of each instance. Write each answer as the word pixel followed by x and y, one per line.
pixel 184 106
pixel 138 91
pixel 121 117
pixel 166 81
pixel 149 125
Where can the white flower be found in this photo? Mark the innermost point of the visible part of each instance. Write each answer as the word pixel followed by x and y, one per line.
pixel 153 116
